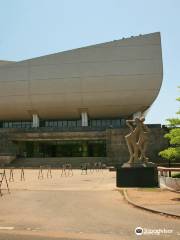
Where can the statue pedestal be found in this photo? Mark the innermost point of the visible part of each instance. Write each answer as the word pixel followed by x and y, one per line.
pixel 137 175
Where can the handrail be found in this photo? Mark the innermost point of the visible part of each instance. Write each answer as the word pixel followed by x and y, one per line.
pixel 168 169
pixel 165 170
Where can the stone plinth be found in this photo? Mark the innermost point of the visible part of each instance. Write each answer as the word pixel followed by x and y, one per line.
pixel 137 175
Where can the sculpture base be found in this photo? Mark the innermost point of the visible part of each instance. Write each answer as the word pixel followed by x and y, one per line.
pixel 137 175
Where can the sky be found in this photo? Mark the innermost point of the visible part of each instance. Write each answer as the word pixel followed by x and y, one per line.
pixel 32 28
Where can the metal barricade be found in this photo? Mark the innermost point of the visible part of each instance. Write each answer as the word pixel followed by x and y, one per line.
pixel 11 175
pixel 49 174
pixel 40 173
pixel 22 178
pixel 84 168
pixel 66 170
pixel 3 178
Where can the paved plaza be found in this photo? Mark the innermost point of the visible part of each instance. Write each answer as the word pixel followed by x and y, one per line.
pixel 74 207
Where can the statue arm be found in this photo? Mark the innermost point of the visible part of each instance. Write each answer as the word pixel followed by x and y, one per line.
pixel 129 124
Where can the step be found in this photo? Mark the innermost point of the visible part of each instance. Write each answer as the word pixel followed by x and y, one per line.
pixel 55 162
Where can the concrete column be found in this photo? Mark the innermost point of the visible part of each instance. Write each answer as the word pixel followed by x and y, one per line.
pixel 35 123
pixel 84 119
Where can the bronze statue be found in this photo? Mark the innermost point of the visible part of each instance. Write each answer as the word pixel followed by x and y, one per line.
pixel 137 140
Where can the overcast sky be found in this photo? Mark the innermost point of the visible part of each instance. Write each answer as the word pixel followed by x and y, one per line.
pixel 31 28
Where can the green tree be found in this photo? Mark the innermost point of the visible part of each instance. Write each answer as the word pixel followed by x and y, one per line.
pixel 173 152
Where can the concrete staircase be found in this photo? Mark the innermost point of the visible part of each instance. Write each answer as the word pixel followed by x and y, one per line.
pixel 54 162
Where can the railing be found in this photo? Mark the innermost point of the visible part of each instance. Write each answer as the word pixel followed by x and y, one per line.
pixel 164 171
pixel 168 182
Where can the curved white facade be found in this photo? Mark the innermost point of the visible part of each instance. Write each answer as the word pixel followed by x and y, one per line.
pixel 114 79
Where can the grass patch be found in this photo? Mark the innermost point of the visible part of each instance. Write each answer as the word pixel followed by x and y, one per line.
pixel 176 175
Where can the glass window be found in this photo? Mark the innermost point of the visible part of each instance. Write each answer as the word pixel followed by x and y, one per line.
pixel 5 124
pixel 123 122
pixel 59 123
pixel 104 123
pixel 79 123
pixel 64 123
pixel 55 124
pixel 73 123
pixel 94 123
pixel 108 122
pixel 10 124
pixel 16 124
pixel 46 124
pixel 98 122
pixel 69 124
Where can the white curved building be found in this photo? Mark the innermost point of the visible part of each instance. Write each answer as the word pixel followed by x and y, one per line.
pixel 71 106
pixel 109 80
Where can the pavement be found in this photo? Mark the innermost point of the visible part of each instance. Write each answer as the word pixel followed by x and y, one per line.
pixel 155 199
pixel 76 207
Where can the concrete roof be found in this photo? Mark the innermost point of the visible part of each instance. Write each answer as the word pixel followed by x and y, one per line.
pixel 113 79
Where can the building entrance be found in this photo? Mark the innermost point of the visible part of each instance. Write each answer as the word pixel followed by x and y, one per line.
pixel 46 149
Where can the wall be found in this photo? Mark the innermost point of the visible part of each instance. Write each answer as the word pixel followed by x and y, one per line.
pixel 117 151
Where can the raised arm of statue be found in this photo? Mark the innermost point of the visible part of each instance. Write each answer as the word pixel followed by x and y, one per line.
pixel 129 124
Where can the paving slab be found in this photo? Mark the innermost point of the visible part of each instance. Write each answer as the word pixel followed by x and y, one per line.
pixel 157 199
pixel 77 207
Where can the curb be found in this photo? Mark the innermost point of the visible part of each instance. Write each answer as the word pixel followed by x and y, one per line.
pixel 147 209
pixel 170 189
